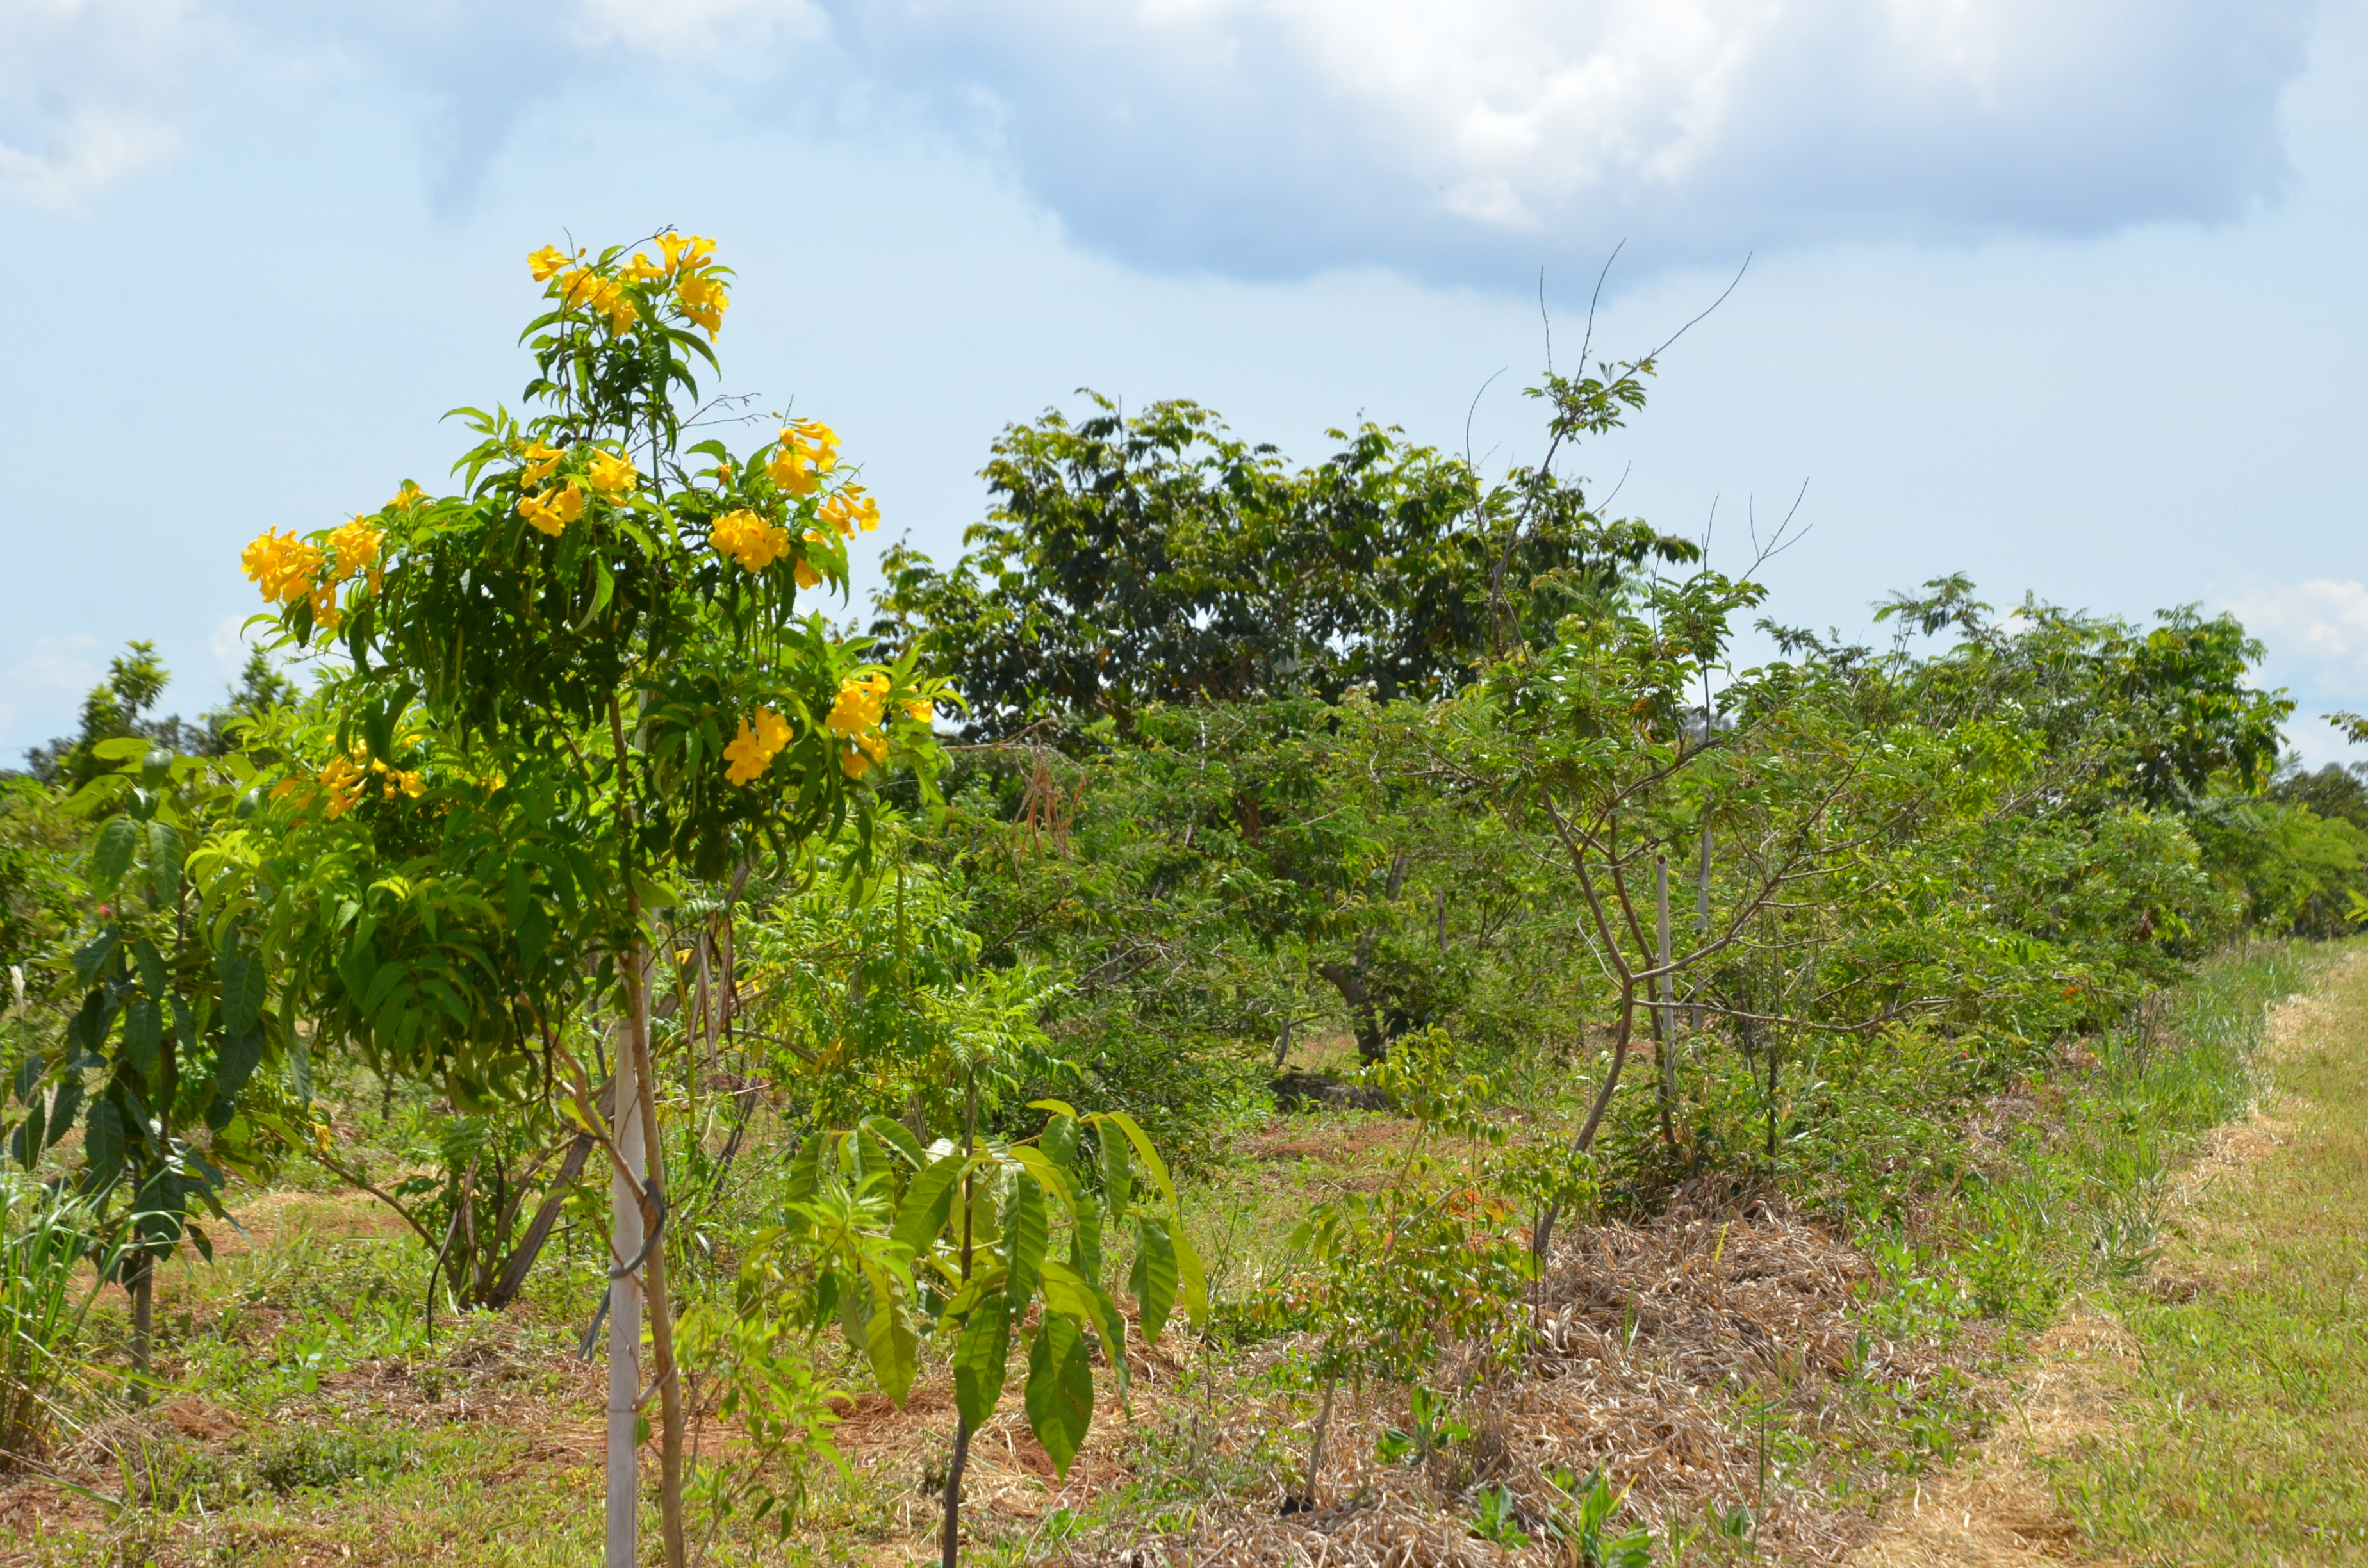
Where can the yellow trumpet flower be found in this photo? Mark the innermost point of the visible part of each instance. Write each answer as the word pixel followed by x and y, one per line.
pixel 541 463
pixel 612 473
pixel 749 540
pixel 356 544
pixel 553 509
pixel 858 707
pixel 547 261
pixel 281 565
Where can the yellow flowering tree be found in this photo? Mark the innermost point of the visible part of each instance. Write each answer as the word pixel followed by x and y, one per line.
pixel 605 621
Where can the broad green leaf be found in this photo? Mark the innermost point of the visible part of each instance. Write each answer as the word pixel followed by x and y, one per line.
pixel 143 1033
pixel 150 963
pixel 65 1106
pixel 29 1073
pixel 1059 1141
pixel 1086 1240
pixel 922 1213
pixel 164 863
pixel 1154 1279
pixel 242 987
pixel 1118 1172
pixel 1060 1389
pixel 102 1143
pixel 889 1339
pixel 1026 1230
pixel 898 1136
pixel 1143 1150
pixel 1050 1176
pixel 28 1142
pixel 980 1357
pixel 111 856
pixel 92 956
pixel 236 1062
pixel 1193 1279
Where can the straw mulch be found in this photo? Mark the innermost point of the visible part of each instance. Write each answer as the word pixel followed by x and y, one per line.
pixel 1664 1344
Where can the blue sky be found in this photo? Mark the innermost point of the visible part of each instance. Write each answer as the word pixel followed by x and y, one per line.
pixel 2062 295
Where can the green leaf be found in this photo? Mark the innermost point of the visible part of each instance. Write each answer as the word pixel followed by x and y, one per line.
pixel 143 1033
pixel 111 857
pixel 1143 1150
pixel 242 987
pixel 65 1106
pixel 92 956
pixel 1117 1173
pixel 1059 1141
pixel 1191 1276
pixel 980 1357
pixel 27 1143
pixel 1027 1228
pixel 29 1073
pixel 889 1339
pixel 152 978
pixel 922 1213
pixel 102 1143
pixel 121 748
pixel 1154 1276
pixel 236 1062
pixel 898 1136
pixel 1086 1240
pixel 164 863
pixel 1060 1389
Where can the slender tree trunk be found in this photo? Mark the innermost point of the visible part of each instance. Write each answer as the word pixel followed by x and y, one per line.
pixel 1315 1448
pixel 1701 916
pixel 143 1319
pixel 655 1300
pixel 1664 1014
pixel 624 1318
pixel 950 1553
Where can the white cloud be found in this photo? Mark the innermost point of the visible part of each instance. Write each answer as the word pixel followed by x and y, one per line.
pixel 1279 135
pixel 1472 140
pixel 90 91
pixel 58 668
pixel 2321 625
pixel 694 29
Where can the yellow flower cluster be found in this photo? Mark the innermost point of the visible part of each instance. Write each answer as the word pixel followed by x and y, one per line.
pixel 281 565
pixel 613 473
pixel 851 509
pixel 286 568
pixel 699 291
pixel 345 778
pixel 753 750
pixel 809 450
pixel 748 540
pixel 410 495
pixel 553 509
pixel 855 717
pixel 355 545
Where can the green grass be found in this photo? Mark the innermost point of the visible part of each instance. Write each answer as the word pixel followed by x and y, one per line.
pixel 2243 1430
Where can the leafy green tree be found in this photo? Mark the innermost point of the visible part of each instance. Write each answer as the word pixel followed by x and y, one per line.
pixel 887 1236
pixel 172 1020
pixel 604 621
pixel 117 707
pixel 1158 559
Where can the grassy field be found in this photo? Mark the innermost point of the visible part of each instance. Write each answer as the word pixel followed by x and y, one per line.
pixel 2241 1429
pixel 1757 1365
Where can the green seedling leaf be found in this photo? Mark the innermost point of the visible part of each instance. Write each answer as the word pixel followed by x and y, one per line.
pixel 980 1357
pixel 1027 1228
pixel 1060 1389
pixel 111 857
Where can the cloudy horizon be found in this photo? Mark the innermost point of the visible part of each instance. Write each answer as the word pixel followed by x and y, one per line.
pixel 2056 295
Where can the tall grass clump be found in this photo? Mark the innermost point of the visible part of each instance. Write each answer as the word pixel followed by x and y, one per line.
pixel 47 1234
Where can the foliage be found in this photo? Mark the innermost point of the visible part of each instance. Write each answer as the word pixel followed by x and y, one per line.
pixel 1156 559
pixel 47 1234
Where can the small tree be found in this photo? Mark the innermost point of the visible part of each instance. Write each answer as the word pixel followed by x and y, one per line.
pixel 604 620
pixel 887 1236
